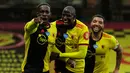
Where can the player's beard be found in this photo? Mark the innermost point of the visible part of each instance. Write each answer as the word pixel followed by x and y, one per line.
pixel 96 29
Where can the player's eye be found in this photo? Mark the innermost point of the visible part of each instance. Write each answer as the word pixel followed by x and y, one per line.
pixel 94 21
pixel 44 11
pixel 67 15
pixel 47 11
pixel 63 14
pixel 100 22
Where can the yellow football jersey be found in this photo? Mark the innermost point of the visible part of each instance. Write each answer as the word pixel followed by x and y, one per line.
pixel 36 46
pixel 101 53
pixel 76 44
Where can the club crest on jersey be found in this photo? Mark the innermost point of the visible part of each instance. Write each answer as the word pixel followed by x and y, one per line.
pixel 86 35
pixel 95 46
pixel 41 39
pixel 47 33
pixel 65 35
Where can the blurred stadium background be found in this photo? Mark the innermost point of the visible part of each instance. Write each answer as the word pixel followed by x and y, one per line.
pixel 15 13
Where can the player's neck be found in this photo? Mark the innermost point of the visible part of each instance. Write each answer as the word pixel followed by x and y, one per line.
pixel 97 36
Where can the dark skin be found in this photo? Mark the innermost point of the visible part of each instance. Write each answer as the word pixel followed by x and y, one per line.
pixel 68 16
pixel 97 27
pixel 43 14
pixel 118 58
pixel 42 19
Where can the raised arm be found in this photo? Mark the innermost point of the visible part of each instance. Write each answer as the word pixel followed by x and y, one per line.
pixel 31 25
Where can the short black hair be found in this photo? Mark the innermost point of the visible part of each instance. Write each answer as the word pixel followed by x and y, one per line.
pixel 71 9
pixel 39 5
pixel 99 15
pixel 36 9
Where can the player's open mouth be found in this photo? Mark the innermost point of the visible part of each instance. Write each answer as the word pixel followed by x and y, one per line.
pixel 65 20
pixel 95 28
pixel 44 19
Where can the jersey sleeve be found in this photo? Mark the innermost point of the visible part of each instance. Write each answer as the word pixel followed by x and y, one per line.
pixel 77 55
pixel 82 45
pixel 54 49
pixel 30 26
pixel 114 43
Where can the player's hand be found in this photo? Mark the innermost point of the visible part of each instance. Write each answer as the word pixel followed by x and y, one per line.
pixel 54 56
pixel 38 20
pixel 71 62
pixel 116 71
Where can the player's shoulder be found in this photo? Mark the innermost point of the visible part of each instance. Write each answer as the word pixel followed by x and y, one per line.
pixel 31 21
pixel 53 23
pixel 110 38
pixel 80 24
pixel 106 35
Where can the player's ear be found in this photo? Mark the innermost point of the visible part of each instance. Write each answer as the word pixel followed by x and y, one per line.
pixel 37 14
pixel 50 13
pixel 74 16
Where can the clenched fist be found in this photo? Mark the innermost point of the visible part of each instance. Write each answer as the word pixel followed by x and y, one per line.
pixel 38 20
pixel 71 62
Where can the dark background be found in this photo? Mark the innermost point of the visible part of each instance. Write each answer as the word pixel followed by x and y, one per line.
pixel 15 13
pixel 22 10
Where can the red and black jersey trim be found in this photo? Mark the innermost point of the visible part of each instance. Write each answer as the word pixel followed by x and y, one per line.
pixel 59 22
pixel 90 59
pixel 60 66
pixel 84 44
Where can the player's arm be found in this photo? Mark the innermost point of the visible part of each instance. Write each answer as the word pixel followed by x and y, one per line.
pixel 31 25
pixel 55 54
pixel 80 54
pixel 118 49
pixel 82 47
